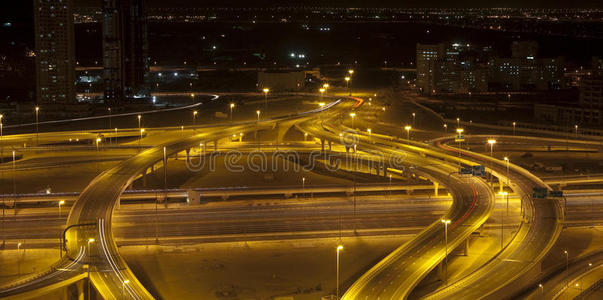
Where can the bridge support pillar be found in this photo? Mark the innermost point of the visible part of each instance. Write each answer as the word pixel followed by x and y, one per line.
pixel 436 187
pixel 81 295
pixel 329 145
pixel 322 145
pixel 384 171
pixel 466 246
pixel 194 197
pixel 441 270
pixel 161 199
pixel 501 185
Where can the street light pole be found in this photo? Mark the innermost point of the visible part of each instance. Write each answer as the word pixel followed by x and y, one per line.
pixel 303 186
pixel 37 132
pixel 123 288
pixel 446 222
pixel 514 123
pixel 19 260
pixel 90 240
pixel 459 131
pixel 195 117
pixel 139 117
pixel 232 105
pixel 347 83
pixel 566 268
pixel 407 128
pixel 140 138
pixel 60 238
pixel 339 248
pixel 266 91
pixel 109 109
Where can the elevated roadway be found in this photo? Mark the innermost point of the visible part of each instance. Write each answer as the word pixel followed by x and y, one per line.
pixel 396 275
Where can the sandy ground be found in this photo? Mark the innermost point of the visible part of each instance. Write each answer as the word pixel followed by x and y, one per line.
pixel 304 269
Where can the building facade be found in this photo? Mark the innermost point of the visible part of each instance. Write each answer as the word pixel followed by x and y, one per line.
pixel 428 57
pixel 452 68
pixel 591 92
pixel 55 54
pixel 125 49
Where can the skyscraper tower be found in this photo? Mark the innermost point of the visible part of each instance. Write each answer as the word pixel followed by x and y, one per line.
pixel 55 54
pixel 124 49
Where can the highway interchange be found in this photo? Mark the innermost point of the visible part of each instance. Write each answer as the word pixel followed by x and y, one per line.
pixel 92 251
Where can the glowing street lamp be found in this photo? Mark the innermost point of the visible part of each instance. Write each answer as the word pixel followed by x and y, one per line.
pixel 139 117
pixel 60 203
pixel 491 142
pixel 445 128
pixel 338 249
pixel 37 109
pixel 351 72
pixel 232 105
pixel 446 222
pixel 109 110
pixel 19 259
pixel 141 132
pixel 413 118
pixel 98 140
pixel 459 132
pixel 1 116
pixel 353 115
pixel 321 104
pixel 370 132
pixel 266 91
pixel 514 123
pixel 123 288
pixel 458 122
pixel 90 241
pixel 325 86
pixel 195 117
pixel 257 112
pixel 347 82
pixel 322 93
pixel 407 128
pixel 576 130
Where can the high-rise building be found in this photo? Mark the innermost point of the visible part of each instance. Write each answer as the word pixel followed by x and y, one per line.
pixel 514 74
pixel 125 47
pixel 427 62
pixel 591 92
pixel 452 68
pixel 55 54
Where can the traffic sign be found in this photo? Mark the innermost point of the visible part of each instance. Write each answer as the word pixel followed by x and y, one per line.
pixel 459 138
pixel 479 170
pixel 464 171
pixel 556 193
pixel 539 193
